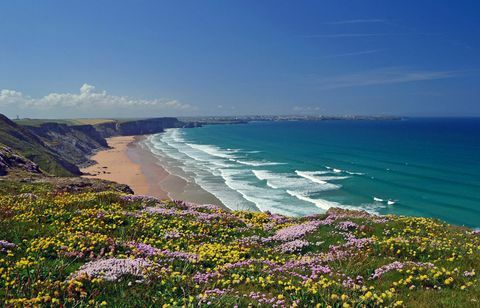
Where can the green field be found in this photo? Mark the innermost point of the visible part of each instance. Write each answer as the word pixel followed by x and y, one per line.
pixel 38 122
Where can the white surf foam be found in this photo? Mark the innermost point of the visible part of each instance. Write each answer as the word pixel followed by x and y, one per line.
pixel 264 198
pixel 293 182
pixel 320 203
pixel 211 150
pixel 318 177
pixel 355 173
pixel 257 163
pixel 336 170
pixel 310 176
pixel 203 168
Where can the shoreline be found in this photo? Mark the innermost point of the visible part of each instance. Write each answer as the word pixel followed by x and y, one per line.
pixel 129 162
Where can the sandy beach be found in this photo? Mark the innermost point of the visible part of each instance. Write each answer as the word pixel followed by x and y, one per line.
pixel 131 163
pixel 114 164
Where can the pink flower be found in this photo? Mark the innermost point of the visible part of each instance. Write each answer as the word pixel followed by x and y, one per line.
pixel 113 269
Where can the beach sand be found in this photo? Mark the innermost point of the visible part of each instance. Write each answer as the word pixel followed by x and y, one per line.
pixel 130 162
pixel 114 164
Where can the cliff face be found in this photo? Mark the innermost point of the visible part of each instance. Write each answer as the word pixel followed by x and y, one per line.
pixel 137 127
pixel 24 142
pixel 107 129
pixel 59 148
pixel 77 142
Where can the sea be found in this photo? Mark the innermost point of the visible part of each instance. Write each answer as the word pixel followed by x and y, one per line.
pixel 426 167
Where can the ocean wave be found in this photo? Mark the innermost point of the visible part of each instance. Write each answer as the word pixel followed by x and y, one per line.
pixel 265 199
pixel 202 167
pixel 336 170
pixel 318 177
pixel 197 155
pixel 388 201
pixel 355 173
pixel 222 172
pixel 211 150
pixel 256 163
pixel 293 182
pixel 310 176
pixel 320 203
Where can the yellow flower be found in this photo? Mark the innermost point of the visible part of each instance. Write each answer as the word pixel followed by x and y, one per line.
pixel 449 280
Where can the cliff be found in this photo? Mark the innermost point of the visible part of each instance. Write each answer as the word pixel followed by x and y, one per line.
pixel 77 142
pixel 60 146
pixel 22 141
pixel 137 127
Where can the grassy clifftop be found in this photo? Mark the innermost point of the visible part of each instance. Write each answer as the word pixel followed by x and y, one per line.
pixel 112 249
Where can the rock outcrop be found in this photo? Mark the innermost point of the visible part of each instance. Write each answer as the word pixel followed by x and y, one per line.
pixel 10 161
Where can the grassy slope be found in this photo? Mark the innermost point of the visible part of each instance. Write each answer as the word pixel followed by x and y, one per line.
pixel 32 147
pixel 229 255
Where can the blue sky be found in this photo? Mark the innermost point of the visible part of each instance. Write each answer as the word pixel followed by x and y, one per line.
pixel 156 58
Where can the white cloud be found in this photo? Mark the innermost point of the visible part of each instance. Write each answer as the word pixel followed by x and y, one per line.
pixel 87 98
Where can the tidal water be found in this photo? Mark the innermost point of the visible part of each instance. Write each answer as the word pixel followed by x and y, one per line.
pixel 421 167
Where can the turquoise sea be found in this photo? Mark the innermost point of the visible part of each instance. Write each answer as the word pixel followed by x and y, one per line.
pixel 421 167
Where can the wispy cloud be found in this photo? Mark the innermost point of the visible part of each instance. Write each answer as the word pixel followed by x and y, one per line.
pixel 306 109
pixel 356 21
pixel 87 98
pixel 355 53
pixel 382 76
pixel 346 35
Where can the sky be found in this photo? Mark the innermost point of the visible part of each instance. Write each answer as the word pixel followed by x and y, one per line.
pixel 90 58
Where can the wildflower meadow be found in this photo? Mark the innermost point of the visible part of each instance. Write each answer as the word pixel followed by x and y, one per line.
pixel 112 249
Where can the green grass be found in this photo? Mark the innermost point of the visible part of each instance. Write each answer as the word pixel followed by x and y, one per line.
pixel 39 122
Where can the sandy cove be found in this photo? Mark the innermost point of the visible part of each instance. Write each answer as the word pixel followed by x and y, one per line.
pixel 128 162
pixel 115 164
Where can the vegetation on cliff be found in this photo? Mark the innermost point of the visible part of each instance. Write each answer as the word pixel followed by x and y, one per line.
pixel 77 247
pixel 29 145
